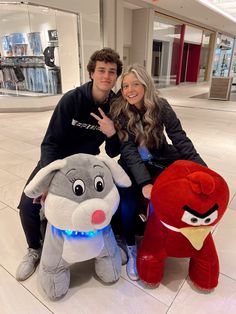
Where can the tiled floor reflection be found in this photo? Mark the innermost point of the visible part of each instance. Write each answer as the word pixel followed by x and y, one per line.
pixel 211 126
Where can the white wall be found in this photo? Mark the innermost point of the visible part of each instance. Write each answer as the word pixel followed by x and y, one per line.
pixel 113 24
pixel 119 27
pixel 109 25
pixel 142 37
pixel 123 28
pixel 128 27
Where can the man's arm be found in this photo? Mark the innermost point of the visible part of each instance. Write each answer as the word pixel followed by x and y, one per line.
pixel 107 127
pixel 57 132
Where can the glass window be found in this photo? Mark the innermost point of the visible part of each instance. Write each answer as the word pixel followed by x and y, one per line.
pixel 222 57
pixel 36 53
pixel 233 64
pixel 192 35
pixel 166 50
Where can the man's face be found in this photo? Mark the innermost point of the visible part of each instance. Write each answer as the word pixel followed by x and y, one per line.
pixel 104 76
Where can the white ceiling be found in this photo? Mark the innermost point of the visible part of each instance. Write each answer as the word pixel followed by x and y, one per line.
pixel 228 6
pixel 194 11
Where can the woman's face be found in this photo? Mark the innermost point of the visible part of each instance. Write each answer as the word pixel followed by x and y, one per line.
pixel 133 90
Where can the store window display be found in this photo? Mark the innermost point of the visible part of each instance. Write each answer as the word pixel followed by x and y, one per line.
pixel 35 43
pixel 223 55
pixel 23 65
pixel 30 51
pixel 24 57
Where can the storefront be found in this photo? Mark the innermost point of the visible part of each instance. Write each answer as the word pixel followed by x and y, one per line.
pixel 181 52
pixel 39 50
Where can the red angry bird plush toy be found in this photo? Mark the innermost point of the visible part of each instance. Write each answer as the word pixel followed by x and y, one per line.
pixel 187 201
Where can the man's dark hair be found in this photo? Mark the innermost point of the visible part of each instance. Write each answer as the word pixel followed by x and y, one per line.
pixel 106 55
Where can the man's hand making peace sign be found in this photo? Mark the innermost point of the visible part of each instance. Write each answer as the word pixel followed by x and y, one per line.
pixel 106 124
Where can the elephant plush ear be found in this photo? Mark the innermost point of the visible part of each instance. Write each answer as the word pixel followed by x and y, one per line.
pixel 41 181
pixel 120 177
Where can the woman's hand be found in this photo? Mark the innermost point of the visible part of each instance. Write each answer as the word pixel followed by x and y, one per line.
pixel 146 190
pixel 106 125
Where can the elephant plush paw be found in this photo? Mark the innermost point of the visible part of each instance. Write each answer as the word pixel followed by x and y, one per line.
pixel 107 269
pixel 55 285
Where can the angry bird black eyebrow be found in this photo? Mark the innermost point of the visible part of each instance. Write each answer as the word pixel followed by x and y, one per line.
pixel 197 214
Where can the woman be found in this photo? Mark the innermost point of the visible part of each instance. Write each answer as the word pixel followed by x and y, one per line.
pixel 142 119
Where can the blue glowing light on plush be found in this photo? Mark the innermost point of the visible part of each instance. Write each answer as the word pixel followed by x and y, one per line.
pixel 75 234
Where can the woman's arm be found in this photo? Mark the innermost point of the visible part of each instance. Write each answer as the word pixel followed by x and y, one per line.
pixel 178 136
pixel 130 154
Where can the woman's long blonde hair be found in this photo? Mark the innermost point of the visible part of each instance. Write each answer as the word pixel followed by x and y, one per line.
pixel 121 111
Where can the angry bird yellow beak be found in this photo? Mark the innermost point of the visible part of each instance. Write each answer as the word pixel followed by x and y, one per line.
pixel 196 235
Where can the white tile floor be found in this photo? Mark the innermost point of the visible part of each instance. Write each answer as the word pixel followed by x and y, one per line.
pixel 211 125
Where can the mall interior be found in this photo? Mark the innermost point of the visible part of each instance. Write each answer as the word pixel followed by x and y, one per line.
pixel 188 47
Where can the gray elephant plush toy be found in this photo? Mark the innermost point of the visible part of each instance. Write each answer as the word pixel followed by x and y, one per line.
pixel 81 199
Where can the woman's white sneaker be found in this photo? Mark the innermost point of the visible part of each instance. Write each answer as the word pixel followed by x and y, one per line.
pixel 131 267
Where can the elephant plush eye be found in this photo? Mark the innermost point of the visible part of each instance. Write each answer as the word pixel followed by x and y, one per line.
pixel 78 187
pixel 99 184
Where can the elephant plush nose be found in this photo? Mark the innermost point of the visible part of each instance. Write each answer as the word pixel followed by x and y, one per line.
pixel 98 217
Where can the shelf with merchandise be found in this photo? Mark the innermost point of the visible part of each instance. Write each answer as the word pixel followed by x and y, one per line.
pixel 23 61
pixel 25 56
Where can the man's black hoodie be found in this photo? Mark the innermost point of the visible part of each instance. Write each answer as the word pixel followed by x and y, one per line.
pixel 73 130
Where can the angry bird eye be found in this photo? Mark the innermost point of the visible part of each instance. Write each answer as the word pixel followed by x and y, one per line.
pixel 78 187
pixel 191 219
pixel 99 184
pixel 194 220
pixel 210 218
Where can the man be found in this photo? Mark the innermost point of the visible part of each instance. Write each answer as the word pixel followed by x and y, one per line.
pixel 71 130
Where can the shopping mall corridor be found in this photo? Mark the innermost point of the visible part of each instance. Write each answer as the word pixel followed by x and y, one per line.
pixel 211 126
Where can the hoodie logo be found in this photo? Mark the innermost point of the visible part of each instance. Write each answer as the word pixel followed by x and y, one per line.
pixel 85 125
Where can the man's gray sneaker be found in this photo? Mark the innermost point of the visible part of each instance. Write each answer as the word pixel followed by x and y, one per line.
pixel 28 265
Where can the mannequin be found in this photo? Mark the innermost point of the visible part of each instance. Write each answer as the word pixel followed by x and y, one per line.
pixel 51 54
pixel 51 58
